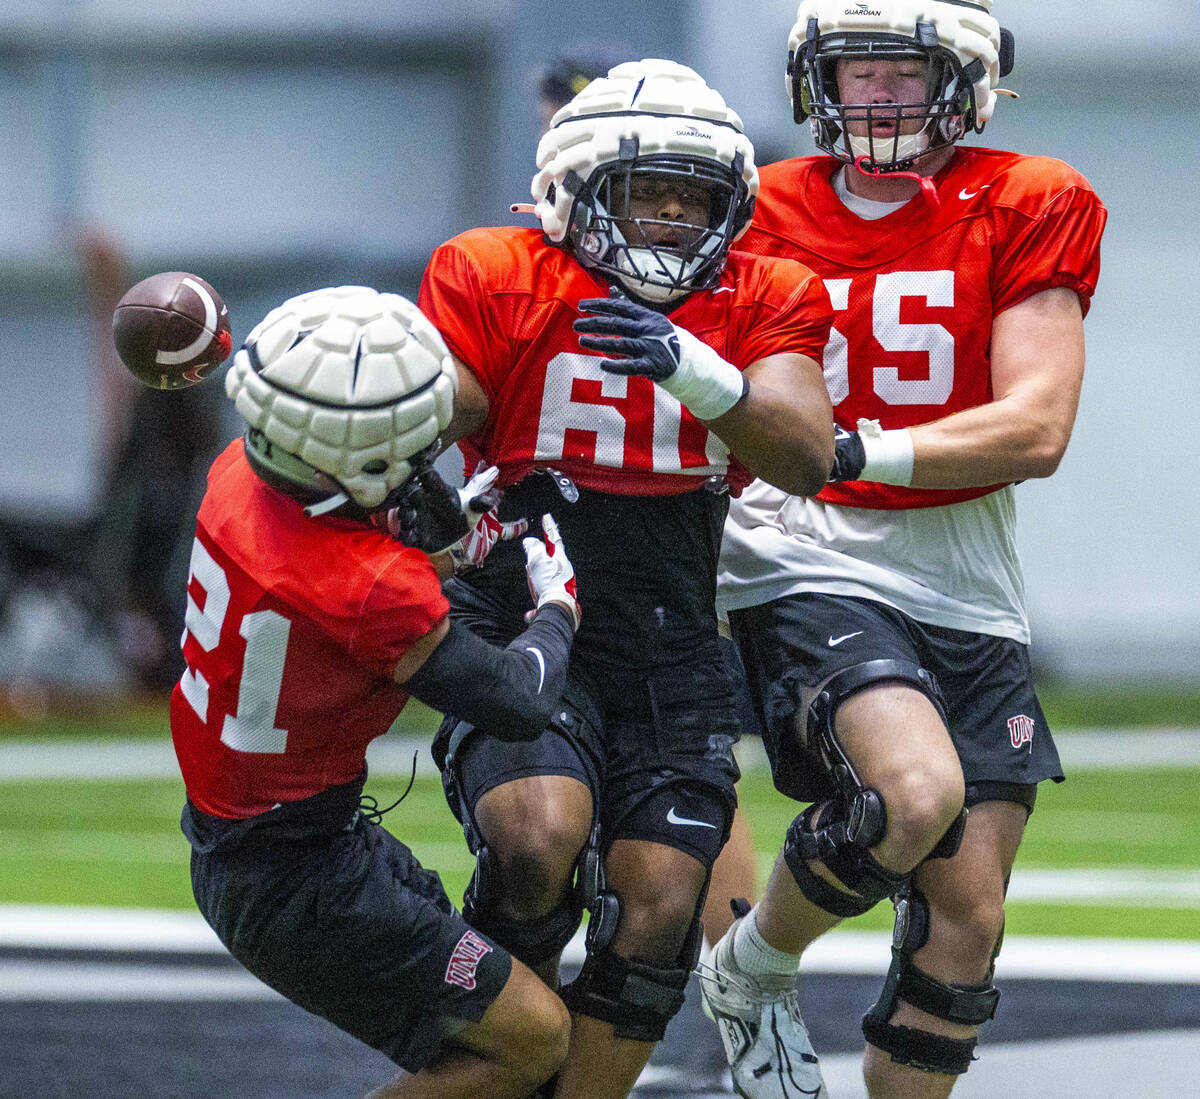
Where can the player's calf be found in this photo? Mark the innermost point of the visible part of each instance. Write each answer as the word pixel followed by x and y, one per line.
pixel 962 1005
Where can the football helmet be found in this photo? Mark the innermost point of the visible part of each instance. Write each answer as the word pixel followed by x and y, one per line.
pixel 647 124
pixel 965 49
pixel 345 391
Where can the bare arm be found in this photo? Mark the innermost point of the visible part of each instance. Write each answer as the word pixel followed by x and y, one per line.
pixel 470 406
pixel 782 430
pixel 1037 372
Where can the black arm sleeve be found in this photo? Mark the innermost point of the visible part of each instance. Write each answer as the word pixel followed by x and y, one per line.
pixel 511 693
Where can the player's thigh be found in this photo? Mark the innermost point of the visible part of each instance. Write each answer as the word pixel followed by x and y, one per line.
pixel 660 889
pixel 538 794
pixel 351 927
pixel 995 719
pixel 890 731
pixel 520 1022
pixel 898 742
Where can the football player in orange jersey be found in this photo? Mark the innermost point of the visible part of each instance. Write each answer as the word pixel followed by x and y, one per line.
pixel 626 372
pixel 307 628
pixel 882 622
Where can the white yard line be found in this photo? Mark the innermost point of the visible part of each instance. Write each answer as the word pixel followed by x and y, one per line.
pixel 1081 750
pixel 865 952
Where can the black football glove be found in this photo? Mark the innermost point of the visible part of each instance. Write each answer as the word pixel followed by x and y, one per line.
pixel 431 516
pixel 848 455
pixel 648 342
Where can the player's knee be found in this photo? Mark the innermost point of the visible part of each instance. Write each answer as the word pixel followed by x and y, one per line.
pixel 923 800
pixel 970 927
pixel 655 922
pixel 536 855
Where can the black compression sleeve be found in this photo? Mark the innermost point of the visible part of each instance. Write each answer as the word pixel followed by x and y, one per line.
pixel 510 693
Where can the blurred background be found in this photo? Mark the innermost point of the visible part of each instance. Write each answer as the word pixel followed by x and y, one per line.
pixel 278 146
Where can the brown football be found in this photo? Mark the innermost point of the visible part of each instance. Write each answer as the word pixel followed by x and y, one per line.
pixel 172 330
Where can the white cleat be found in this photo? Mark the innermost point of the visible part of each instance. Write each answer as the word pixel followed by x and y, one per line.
pixel 766 1042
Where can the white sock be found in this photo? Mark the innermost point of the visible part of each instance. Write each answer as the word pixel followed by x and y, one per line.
pixel 756 957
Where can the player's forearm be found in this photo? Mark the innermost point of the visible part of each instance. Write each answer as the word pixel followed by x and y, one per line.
pixel 788 446
pixel 1008 440
pixel 510 693
pixel 782 430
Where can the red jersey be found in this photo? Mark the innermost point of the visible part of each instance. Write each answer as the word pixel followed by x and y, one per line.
pixel 293 629
pixel 505 299
pixel 915 292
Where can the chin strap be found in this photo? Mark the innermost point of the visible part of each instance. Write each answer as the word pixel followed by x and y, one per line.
pixel 928 189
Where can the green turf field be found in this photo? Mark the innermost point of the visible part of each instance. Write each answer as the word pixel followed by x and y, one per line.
pixel 117 842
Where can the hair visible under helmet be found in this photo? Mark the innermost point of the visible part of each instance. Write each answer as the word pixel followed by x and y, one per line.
pixel 345 391
pixel 645 117
pixel 965 49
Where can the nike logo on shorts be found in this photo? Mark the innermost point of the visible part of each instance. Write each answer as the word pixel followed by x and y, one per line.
pixel 834 642
pixel 675 818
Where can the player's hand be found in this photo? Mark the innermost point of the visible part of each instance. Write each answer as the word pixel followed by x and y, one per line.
pixel 472 549
pixel 848 455
pixel 549 571
pixel 431 516
pixel 647 342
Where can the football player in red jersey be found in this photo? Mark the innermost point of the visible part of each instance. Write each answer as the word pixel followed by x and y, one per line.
pixel 882 622
pixel 626 372
pixel 307 628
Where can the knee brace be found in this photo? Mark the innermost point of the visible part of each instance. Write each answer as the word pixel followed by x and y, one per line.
pixel 840 845
pixel 533 941
pixel 967 1004
pixel 636 998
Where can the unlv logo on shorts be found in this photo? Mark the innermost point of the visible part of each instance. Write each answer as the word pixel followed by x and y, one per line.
pixel 1020 730
pixel 465 960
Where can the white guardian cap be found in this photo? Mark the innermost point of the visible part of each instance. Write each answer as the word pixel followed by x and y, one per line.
pixel 966 50
pixel 345 391
pixel 656 123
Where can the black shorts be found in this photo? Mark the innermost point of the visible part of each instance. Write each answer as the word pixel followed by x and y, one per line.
pixel 993 714
pixel 648 720
pixel 342 919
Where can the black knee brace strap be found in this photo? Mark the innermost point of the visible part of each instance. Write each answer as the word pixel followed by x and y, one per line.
pixel 966 1004
pixel 920 1048
pixel 639 1000
pixel 846 858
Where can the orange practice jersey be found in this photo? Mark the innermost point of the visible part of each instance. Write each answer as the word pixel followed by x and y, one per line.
pixel 915 292
pixel 505 299
pixel 293 629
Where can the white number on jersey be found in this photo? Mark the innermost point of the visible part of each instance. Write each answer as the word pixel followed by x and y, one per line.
pixel 252 728
pixel 609 423
pixel 932 340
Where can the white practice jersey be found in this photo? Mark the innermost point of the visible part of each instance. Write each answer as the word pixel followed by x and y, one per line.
pixel 953 566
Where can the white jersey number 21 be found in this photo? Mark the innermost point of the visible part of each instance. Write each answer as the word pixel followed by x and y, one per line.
pixel 252 728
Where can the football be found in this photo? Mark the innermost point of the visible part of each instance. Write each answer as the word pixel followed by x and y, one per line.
pixel 172 330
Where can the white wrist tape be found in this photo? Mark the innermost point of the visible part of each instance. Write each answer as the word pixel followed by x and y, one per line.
pixel 704 382
pixel 889 454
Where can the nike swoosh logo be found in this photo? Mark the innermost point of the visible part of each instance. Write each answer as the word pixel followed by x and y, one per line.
pixel 835 641
pixel 541 665
pixel 723 290
pixel 965 195
pixel 675 818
